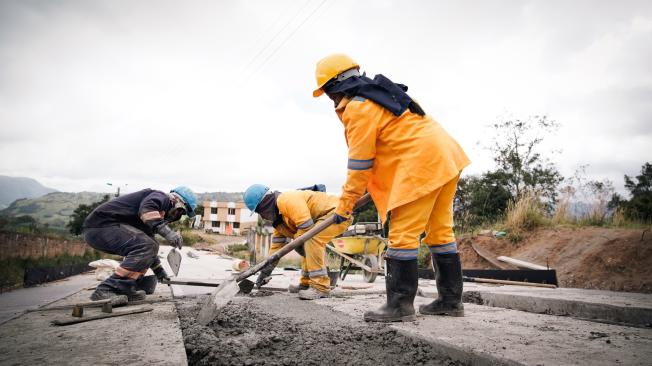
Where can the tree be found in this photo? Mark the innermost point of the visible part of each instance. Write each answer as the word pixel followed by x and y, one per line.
pixel 639 206
pixel 480 199
pixel 75 225
pixel 516 148
pixel 367 213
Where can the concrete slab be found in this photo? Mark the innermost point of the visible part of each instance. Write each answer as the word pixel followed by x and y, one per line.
pixel 604 306
pixel 15 302
pixel 147 338
pixel 490 335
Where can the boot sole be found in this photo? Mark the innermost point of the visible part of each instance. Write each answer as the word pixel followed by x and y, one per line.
pixel 406 318
pixel 455 313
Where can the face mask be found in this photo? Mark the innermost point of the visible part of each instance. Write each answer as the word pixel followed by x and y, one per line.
pixel 178 210
pixel 267 207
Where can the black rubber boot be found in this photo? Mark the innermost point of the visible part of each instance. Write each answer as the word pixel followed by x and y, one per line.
pixel 147 284
pixel 401 283
pixel 116 285
pixel 449 286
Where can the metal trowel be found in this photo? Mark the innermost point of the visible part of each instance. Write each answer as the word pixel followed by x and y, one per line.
pixel 174 260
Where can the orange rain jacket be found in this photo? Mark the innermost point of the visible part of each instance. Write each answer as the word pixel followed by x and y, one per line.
pixel 397 159
pixel 300 210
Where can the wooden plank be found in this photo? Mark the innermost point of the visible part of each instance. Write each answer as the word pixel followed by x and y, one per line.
pixel 490 257
pixel 101 316
pixel 521 263
pixel 116 301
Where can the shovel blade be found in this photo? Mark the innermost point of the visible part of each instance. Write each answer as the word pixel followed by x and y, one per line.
pixel 218 299
pixel 174 260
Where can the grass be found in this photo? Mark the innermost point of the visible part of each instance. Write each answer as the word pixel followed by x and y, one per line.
pixel 528 213
pixel 523 215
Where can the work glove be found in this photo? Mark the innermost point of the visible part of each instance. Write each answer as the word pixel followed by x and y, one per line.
pixel 314 187
pixel 171 236
pixel 265 274
pixel 160 273
pixel 340 219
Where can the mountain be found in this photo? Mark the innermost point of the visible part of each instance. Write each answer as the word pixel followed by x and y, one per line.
pixel 219 196
pixel 53 209
pixel 13 188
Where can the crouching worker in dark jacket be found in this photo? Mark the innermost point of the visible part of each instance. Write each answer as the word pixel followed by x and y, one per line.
pixel 126 226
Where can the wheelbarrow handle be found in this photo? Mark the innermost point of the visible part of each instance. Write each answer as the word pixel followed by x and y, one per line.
pixel 299 241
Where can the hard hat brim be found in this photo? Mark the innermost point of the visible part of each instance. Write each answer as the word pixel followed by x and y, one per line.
pixel 317 93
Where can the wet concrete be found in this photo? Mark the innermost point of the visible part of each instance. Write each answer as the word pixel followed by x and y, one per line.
pixel 497 336
pixel 280 329
pixel 152 338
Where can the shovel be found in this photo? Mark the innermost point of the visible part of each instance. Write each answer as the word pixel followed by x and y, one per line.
pixel 231 287
pixel 174 260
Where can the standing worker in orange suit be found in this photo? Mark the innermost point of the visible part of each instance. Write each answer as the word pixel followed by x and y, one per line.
pixel 410 165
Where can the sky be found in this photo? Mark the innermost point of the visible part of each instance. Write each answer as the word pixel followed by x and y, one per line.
pixel 217 95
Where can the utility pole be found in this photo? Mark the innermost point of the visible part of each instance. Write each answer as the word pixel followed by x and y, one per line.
pixel 117 192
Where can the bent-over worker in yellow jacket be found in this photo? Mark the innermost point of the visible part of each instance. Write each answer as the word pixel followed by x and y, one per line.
pixel 292 213
pixel 410 165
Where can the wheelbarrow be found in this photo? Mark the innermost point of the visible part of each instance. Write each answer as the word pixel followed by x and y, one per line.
pixel 359 252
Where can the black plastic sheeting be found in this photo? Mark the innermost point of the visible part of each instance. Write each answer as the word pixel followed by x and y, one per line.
pixel 548 276
pixel 35 276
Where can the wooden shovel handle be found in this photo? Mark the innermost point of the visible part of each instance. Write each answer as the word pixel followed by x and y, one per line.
pixel 299 241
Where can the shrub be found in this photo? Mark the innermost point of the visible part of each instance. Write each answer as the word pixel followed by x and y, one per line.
pixel 526 214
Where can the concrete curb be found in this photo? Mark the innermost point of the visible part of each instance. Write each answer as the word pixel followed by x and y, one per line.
pixel 623 315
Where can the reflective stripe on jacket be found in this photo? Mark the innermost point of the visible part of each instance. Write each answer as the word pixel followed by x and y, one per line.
pixel 397 159
pixel 300 210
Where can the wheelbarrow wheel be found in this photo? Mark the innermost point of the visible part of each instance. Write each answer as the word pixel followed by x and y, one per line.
pixel 372 262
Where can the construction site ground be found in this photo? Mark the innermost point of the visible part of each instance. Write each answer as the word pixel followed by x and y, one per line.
pixel 503 325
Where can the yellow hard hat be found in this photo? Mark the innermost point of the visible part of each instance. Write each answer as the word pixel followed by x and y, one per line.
pixel 329 67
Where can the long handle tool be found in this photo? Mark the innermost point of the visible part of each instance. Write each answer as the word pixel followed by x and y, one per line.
pixel 229 288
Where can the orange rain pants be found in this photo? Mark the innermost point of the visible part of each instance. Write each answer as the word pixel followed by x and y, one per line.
pixel 432 214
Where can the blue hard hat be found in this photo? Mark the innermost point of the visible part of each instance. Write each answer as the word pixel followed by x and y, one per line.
pixel 189 198
pixel 253 195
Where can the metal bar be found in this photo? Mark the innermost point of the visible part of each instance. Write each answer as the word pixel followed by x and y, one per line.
pixel 352 260
pixel 505 282
pixel 190 283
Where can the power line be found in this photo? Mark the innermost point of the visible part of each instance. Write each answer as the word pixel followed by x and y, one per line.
pixel 285 40
pixel 253 60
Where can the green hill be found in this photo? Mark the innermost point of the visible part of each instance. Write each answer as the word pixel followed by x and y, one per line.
pixel 13 188
pixel 220 196
pixel 53 209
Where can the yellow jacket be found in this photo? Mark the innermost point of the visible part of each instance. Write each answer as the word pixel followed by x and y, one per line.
pixel 300 210
pixel 397 159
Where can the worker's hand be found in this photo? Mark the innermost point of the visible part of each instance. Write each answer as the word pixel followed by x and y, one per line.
pixel 265 274
pixel 175 240
pixel 339 219
pixel 161 274
pixel 171 236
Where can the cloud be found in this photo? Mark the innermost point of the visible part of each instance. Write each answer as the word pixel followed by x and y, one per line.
pixel 217 95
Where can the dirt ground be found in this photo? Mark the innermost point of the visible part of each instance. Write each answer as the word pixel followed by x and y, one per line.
pixel 264 332
pixel 591 258
pixel 216 242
